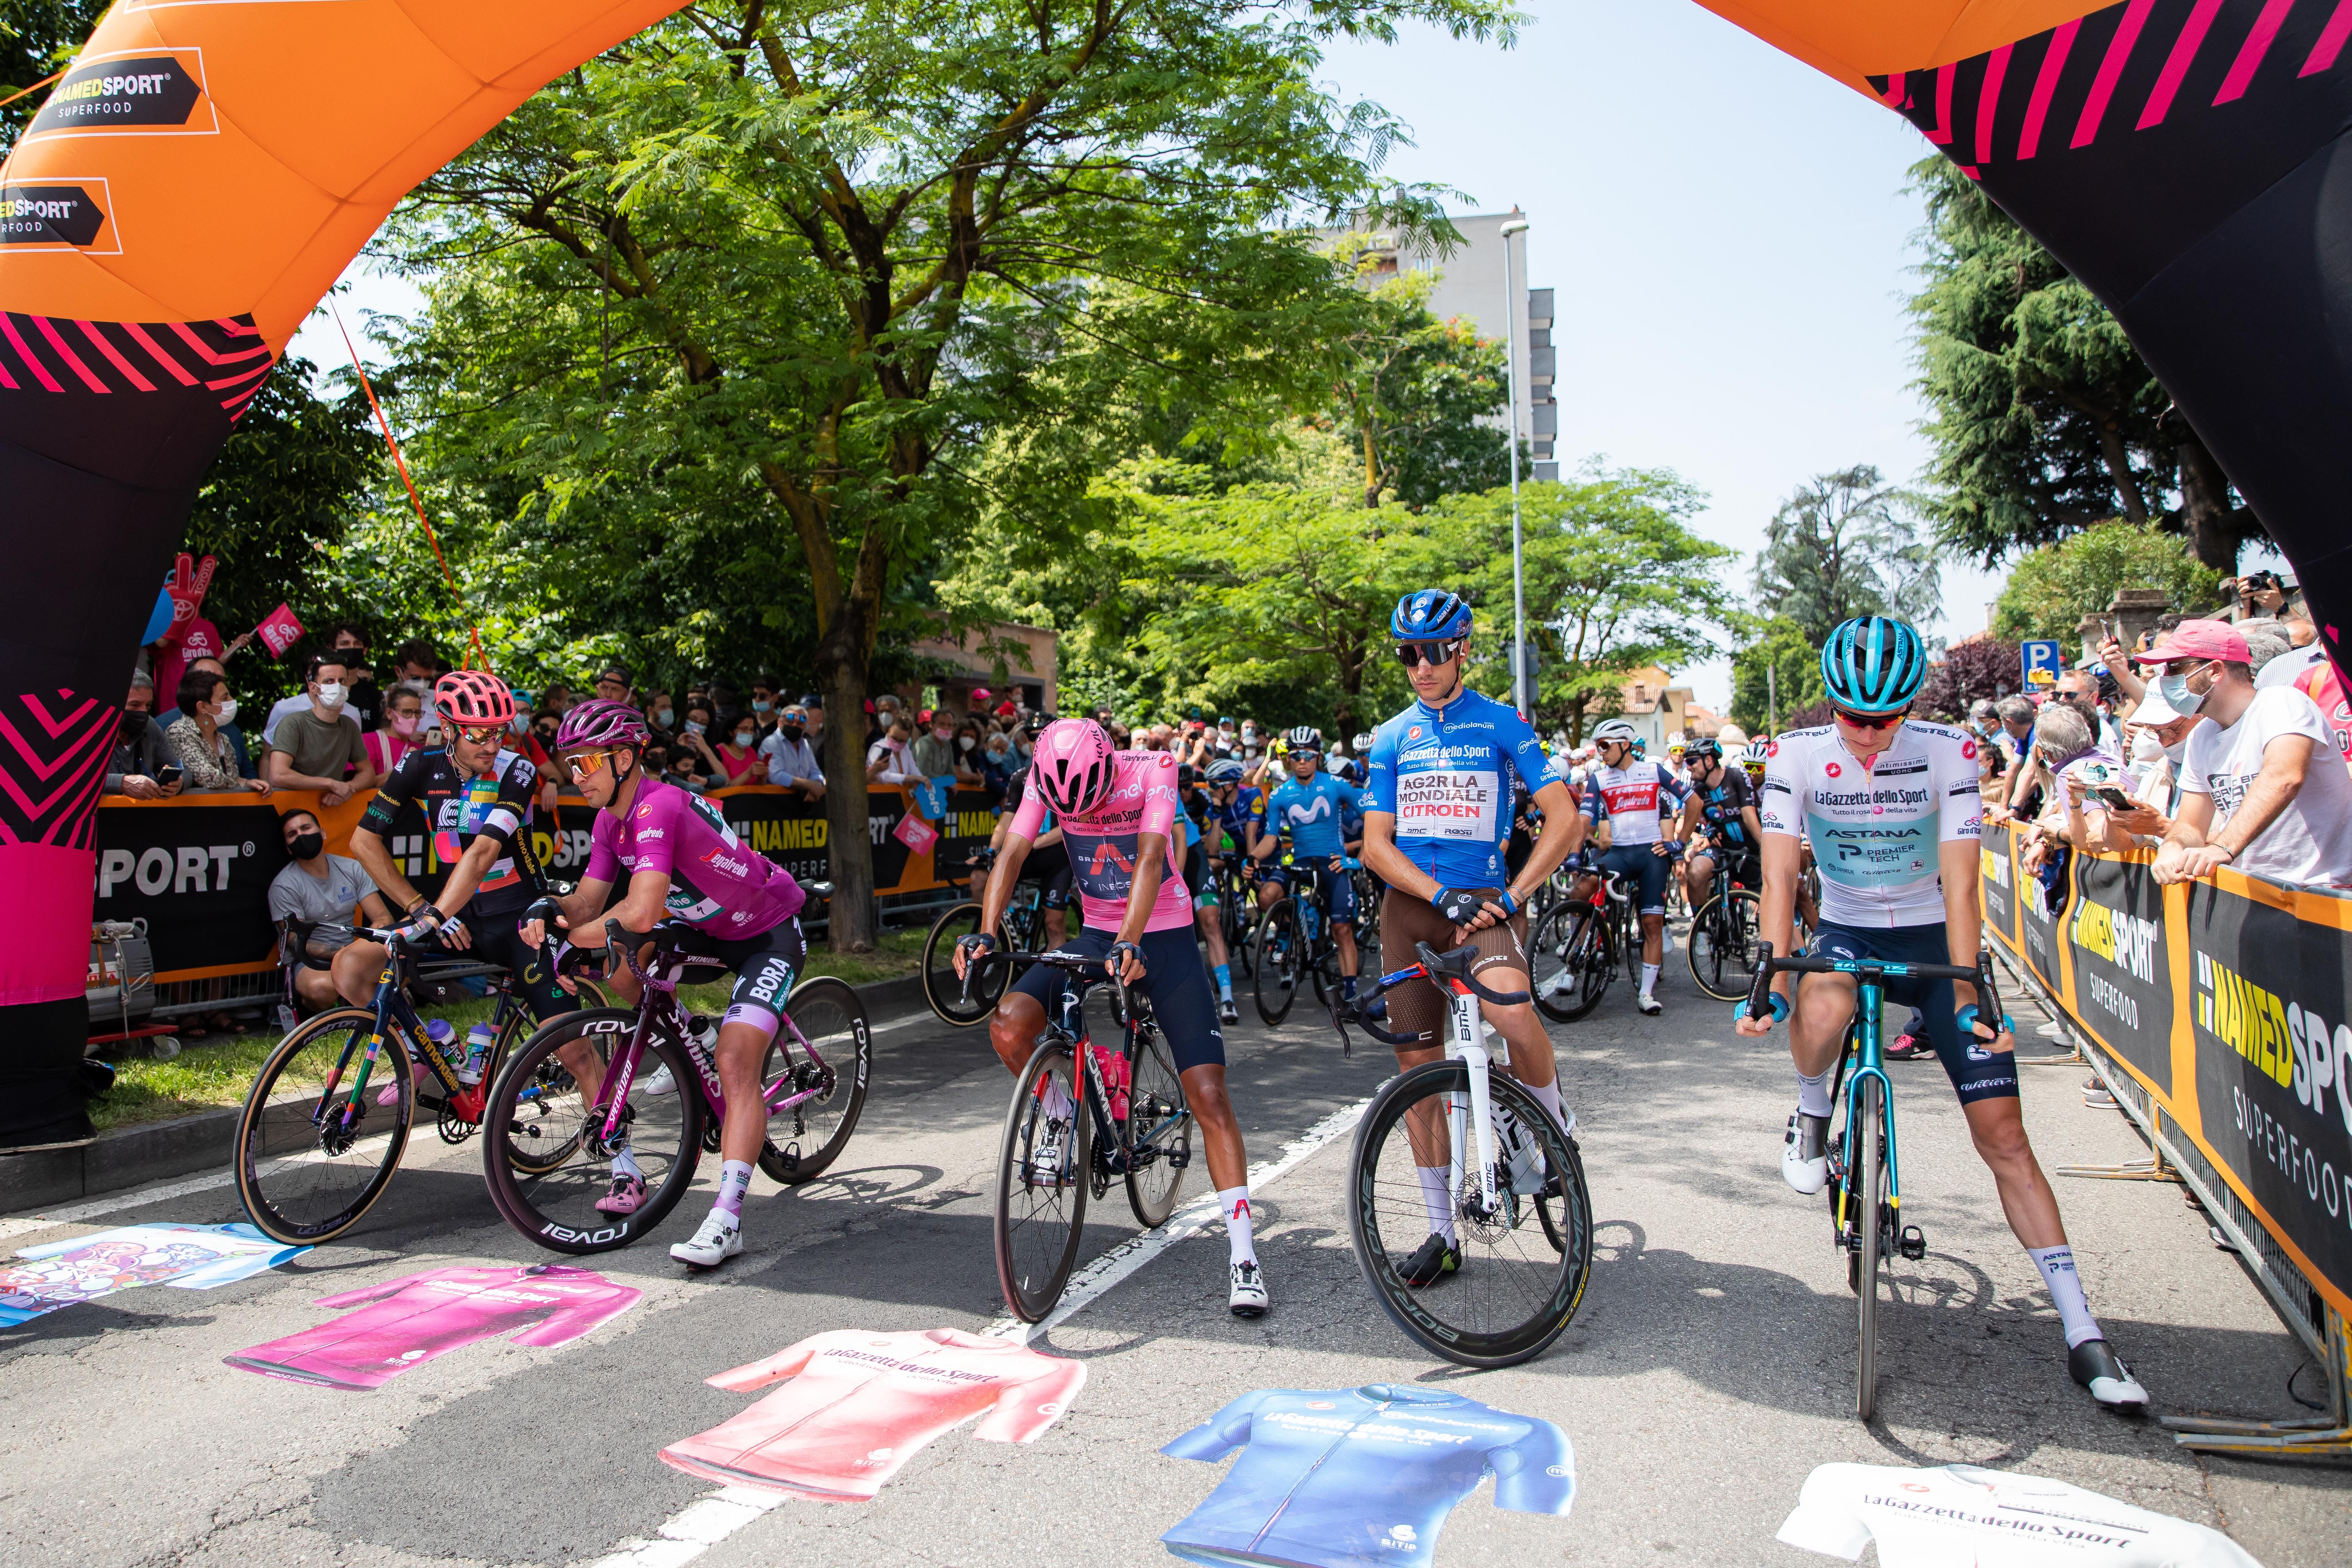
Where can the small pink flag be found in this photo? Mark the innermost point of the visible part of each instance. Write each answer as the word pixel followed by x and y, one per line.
pixel 278 631
pixel 916 834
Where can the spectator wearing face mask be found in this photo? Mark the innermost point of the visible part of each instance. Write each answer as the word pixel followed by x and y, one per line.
pixel 229 730
pixel 319 888
pixel 207 761
pixel 765 702
pixel 694 767
pixel 140 751
pixel 692 741
pixel 2079 765
pixel 661 717
pixel 997 762
pixel 321 748
pixel 738 754
pixel 890 760
pixel 812 705
pixel 402 733
pixel 2261 789
pixel 791 755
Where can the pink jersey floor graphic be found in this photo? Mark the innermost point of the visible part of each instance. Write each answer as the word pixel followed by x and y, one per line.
pixel 405 1323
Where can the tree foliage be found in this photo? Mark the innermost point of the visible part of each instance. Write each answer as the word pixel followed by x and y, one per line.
pixel 1412 393
pixel 2051 589
pixel 1840 546
pixel 1980 669
pixel 38 37
pixel 1783 647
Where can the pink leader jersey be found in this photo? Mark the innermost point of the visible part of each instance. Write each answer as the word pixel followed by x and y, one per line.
pixel 418 1317
pixel 716 882
pixel 1102 846
pixel 860 1405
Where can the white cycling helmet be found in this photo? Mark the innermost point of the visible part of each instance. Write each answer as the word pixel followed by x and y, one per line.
pixel 1614 729
pixel 1676 742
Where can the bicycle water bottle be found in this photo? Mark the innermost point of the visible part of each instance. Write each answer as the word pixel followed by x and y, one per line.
pixel 1116 1078
pixel 479 1041
pixel 444 1036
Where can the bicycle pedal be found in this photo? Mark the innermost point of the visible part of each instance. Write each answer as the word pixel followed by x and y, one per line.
pixel 1913 1242
pixel 1180 1157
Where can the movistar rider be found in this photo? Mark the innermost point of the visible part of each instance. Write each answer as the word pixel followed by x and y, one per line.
pixel 1310 809
pixel 1443 774
pixel 1892 808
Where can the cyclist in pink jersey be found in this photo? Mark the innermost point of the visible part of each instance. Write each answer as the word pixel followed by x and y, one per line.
pixel 686 866
pixel 1118 813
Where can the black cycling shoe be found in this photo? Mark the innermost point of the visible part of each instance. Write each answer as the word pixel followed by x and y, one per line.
pixel 2100 1369
pixel 1434 1261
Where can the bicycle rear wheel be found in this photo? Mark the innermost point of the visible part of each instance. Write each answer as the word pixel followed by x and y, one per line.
pixel 942 989
pixel 311 1157
pixel 1159 1130
pixel 1870 1243
pixel 536 1101
pixel 1722 944
pixel 1041 1210
pixel 1517 1289
pixel 805 1139
pixel 1278 959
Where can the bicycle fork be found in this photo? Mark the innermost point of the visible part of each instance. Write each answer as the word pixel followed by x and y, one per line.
pixel 1467 1046
pixel 1850 1221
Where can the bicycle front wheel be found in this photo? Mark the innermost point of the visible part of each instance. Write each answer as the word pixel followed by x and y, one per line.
pixel 1041 1190
pixel 312 1155
pixel 806 1137
pixel 536 1103
pixel 1277 981
pixel 942 989
pixel 1870 1242
pixel 1515 1291
pixel 1160 1131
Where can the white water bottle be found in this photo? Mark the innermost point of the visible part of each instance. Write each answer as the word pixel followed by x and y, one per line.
pixel 442 1034
pixel 479 1040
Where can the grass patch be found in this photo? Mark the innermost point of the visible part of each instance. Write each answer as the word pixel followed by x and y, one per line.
pixel 898 953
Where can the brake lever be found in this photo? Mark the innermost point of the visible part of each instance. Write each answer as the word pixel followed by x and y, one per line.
pixel 1758 1007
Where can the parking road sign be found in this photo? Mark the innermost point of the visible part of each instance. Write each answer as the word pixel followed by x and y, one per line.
pixel 2041 658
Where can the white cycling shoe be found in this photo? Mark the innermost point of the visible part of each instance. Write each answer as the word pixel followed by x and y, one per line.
pixel 2098 1368
pixel 1804 1153
pixel 1248 1298
pixel 659 1082
pixel 1649 1006
pixel 713 1245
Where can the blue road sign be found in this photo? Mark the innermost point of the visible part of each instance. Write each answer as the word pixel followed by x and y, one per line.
pixel 2041 658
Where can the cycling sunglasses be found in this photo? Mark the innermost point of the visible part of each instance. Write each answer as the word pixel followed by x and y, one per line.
pixel 1869 722
pixel 584 764
pixel 1414 653
pixel 485 735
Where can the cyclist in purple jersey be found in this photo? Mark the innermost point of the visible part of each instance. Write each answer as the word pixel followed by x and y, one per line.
pixel 686 866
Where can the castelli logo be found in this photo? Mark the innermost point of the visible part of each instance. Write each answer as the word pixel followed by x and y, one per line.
pixel 1771 748
pixel 1834 769
pixel 1968 749
pixel 1413 733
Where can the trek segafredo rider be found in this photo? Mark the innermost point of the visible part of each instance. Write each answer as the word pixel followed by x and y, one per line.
pixel 1892 808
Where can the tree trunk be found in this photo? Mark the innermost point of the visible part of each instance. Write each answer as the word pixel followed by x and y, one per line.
pixel 841 674
pixel 2111 447
pixel 2214 530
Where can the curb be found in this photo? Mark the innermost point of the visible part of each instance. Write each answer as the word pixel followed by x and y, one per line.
pixel 154 1151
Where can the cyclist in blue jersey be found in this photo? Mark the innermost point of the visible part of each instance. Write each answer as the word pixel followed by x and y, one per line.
pixel 1308 809
pixel 1200 833
pixel 1894 812
pixel 1719 825
pixel 1632 793
pixel 1442 778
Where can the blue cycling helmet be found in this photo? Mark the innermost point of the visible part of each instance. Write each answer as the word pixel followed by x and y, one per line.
pixel 1225 770
pixel 1872 664
pixel 1430 615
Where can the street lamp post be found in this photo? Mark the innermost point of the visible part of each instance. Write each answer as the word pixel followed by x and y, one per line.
pixel 1523 698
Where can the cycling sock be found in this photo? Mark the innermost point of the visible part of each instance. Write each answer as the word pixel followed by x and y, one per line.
pixel 734 1181
pixel 1058 1103
pixel 1347 988
pixel 1649 978
pixel 1813 1094
pixel 2066 1287
pixel 1437 1197
pixel 625 1164
pixel 1225 982
pixel 1235 1200
pixel 1548 1096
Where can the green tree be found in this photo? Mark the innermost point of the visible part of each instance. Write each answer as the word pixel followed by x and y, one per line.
pixel 2053 588
pixel 36 39
pixel 1412 393
pixel 1759 704
pixel 771 284
pixel 2044 418
pixel 1840 546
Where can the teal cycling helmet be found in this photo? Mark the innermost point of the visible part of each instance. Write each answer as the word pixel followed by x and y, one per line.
pixel 1430 615
pixel 1872 664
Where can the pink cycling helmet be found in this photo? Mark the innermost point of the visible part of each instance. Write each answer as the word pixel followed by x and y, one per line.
pixel 1073 767
pixel 601 722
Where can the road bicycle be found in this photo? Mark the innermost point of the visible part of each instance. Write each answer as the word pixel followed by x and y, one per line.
pixel 1722 938
pixel 1574 950
pixel 1136 1129
pixel 1235 910
pixel 1865 1190
pixel 1513 1195
pixel 814 1080
pixel 329 1115
pixel 1295 937
pixel 1024 926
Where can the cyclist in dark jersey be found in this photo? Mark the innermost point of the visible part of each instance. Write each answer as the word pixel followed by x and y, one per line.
pixel 686 868
pixel 1719 822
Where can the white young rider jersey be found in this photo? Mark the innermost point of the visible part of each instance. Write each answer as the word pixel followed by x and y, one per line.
pixel 1959 1516
pixel 1632 797
pixel 1876 823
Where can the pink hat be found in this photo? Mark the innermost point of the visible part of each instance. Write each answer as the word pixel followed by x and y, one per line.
pixel 980 694
pixel 2199 639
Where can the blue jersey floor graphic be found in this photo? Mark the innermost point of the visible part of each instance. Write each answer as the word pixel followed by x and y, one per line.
pixel 1346 1477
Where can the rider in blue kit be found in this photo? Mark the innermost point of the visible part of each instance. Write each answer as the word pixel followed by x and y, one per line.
pixel 1310 809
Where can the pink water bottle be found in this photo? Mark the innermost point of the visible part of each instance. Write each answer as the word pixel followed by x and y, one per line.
pixel 1113 1067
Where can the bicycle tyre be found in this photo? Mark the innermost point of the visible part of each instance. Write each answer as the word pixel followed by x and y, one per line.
pixel 942 989
pixel 1870 1243
pixel 1155 1097
pixel 815 999
pixel 1557 1303
pixel 1274 984
pixel 1032 1287
pixel 271 1139
pixel 1726 918
pixel 1586 956
pixel 578 1231
pixel 525 1154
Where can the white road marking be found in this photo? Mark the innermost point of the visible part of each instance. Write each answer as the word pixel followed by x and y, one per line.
pixel 712 1518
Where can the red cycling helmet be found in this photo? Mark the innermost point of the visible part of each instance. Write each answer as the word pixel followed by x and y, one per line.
pixel 600 721
pixel 473 698
pixel 1075 767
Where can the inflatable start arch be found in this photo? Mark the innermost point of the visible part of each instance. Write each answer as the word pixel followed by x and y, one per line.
pixel 206 169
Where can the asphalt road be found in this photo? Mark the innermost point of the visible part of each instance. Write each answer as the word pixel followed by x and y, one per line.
pixel 1708 1372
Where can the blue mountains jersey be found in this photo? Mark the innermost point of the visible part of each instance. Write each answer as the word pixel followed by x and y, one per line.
pixel 1447 776
pixel 1312 815
pixel 1349 1477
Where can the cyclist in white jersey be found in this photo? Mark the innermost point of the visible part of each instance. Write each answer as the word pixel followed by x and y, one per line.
pixel 1634 795
pixel 1892 809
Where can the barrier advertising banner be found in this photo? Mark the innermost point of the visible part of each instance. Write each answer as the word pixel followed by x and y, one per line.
pixel 2120 984
pixel 1996 879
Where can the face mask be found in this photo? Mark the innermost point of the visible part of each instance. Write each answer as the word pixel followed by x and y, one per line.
pixel 2145 748
pixel 692 728
pixel 306 846
pixel 134 724
pixel 666 718
pixel 2175 691
pixel 791 730
pixel 997 751
pixel 403 724
pixel 760 707
pixel 744 738
pixel 2178 752
pixel 228 710
pixel 941 735
pixel 967 742
pixel 332 692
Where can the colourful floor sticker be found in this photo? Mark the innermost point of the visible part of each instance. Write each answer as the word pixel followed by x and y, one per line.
pixel 1958 1516
pixel 190 1257
pixel 860 1406
pixel 1345 1478
pixel 407 1321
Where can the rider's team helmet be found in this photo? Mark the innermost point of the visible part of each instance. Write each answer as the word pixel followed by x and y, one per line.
pixel 1701 750
pixel 598 723
pixel 1615 730
pixel 1075 768
pixel 1872 664
pixel 1676 744
pixel 1362 745
pixel 1225 770
pixel 1752 756
pixel 1305 738
pixel 473 698
pixel 1430 615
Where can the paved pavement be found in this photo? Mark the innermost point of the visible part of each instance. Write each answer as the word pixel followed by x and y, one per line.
pixel 1710 1370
